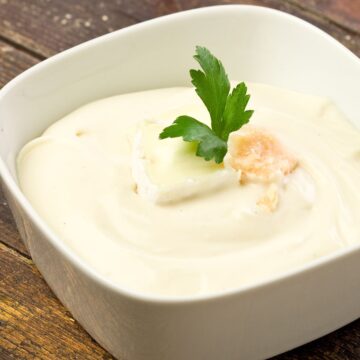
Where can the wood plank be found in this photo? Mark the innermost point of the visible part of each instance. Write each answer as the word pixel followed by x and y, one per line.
pixel 8 232
pixel 345 13
pixel 33 324
pixel 12 63
pixel 339 345
pixel 48 27
pixel 148 9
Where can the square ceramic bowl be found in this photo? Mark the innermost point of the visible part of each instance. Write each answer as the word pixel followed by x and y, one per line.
pixel 257 44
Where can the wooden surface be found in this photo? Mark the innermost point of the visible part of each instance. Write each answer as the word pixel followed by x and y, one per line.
pixel 33 324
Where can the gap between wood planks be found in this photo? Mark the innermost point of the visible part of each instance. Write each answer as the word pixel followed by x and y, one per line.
pixel 22 48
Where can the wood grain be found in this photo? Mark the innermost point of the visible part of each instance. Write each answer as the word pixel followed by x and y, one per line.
pixel 8 233
pixel 47 27
pixel 340 345
pixel 33 324
pixel 345 13
pixel 12 63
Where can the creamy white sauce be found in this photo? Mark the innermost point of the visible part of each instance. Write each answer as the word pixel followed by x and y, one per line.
pixel 77 175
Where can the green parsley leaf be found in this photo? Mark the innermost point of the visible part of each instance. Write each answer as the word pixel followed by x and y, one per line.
pixel 227 111
pixel 212 85
pixel 209 145
pixel 235 115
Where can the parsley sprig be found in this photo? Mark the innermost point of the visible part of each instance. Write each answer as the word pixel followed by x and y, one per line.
pixel 227 110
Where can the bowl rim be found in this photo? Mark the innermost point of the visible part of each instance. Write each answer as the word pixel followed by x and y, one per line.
pixel 86 268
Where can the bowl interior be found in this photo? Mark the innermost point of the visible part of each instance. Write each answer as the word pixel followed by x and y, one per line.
pixel 256 44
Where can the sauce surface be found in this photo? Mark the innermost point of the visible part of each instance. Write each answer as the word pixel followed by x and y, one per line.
pixel 78 177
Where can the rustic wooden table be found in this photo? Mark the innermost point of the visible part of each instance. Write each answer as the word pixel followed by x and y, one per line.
pixel 33 324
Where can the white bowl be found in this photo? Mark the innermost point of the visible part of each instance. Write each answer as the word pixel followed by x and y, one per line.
pixel 256 44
